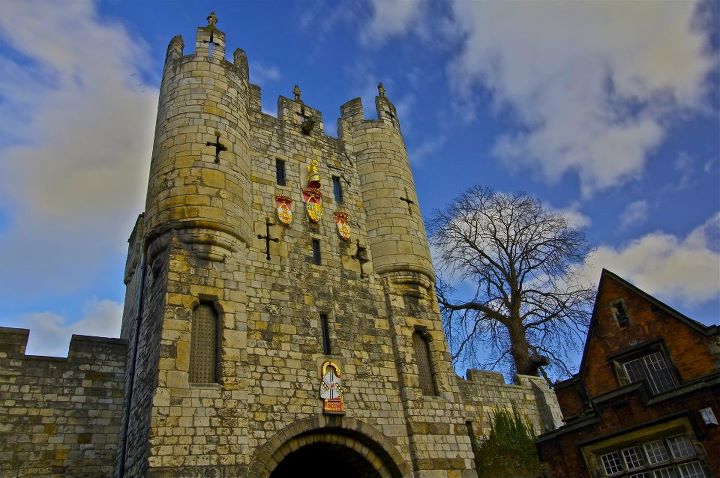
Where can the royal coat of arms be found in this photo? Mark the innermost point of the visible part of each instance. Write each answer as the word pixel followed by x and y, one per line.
pixel 283 206
pixel 341 219
pixel 312 194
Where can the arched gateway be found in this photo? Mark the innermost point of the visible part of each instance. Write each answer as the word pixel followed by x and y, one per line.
pixel 346 446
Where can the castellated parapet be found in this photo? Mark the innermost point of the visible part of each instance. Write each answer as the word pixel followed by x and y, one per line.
pixel 274 263
pixel 60 416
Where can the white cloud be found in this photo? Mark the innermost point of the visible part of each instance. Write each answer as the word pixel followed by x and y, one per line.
pixel 390 18
pixel 679 269
pixel 76 125
pixel 426 149
pixel 572 214
pixel 591 83
pixel 684 166
pixel 50 333
pixel 261 74
pixel 634 213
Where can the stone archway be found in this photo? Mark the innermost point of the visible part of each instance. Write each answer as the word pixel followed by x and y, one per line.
pixel 313 446
pixel 322 458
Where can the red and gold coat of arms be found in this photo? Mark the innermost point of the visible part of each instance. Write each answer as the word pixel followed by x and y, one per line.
pixel 341 219
pixel 313 203
pixel 284 209
pixel 312 194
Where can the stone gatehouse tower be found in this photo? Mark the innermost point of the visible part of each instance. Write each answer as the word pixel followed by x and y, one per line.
pixel 273 264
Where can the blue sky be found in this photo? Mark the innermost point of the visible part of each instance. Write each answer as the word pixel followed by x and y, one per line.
pixel 606 111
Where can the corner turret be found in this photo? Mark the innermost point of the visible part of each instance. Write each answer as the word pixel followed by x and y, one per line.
pixel 395 228
pixel 200 169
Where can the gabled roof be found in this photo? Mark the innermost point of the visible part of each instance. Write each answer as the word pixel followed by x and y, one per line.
pixel 687 321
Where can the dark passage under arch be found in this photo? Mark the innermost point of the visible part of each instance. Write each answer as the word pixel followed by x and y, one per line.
pixel 325 459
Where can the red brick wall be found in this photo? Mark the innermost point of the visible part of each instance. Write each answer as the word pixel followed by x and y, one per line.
pixel 564 454
pixel 689 351
pixel 571 403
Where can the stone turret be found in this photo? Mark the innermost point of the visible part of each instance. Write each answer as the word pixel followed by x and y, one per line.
pixel 199 174
pixel 395 229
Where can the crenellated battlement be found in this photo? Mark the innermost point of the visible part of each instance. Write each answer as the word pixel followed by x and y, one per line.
pixel 83 348
pixel 531 396
pixel 60 415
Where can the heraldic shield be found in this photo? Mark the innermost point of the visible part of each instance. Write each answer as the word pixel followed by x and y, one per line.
pixel 312 194
pixel 342 219
pixel 313 203
pixel 283 206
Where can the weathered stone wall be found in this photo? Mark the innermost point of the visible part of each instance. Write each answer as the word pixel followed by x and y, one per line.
pixel 60 416
pixel 143 356
pixel 483 392
pixel 214 216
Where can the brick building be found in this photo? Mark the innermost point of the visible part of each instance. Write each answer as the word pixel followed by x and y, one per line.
pixel 646 401
pixel 280 312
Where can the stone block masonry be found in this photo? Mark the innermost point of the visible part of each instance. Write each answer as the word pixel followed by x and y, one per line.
pixel 483 392
pixel 234 307
pixel 60 416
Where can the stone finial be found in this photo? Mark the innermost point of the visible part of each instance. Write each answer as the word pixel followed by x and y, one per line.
pixel 212 20
pixel 297 93
pixel 381 90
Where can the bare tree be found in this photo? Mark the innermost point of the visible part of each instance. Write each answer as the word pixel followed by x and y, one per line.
pixel 514 259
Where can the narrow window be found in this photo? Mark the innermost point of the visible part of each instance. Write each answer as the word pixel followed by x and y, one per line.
pixel 325 334
pixel 619 312
pixel 203 344
pixel 317 259
pixel 280 172
pixel 424 363
pixel 337 189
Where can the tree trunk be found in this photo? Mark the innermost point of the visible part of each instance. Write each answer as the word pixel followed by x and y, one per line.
pixel 520 350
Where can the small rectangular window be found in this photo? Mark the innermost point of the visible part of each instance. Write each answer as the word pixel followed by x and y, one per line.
pixel 656 452
pixel 317 259
pixel 280 172
pixel 325 334
pixel 337 189
pixel 612 463
pixel 633 457
pixel 680 446
pixel 620 314
pixel 691 470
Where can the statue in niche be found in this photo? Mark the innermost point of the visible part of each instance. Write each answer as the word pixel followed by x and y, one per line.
pixel 331 389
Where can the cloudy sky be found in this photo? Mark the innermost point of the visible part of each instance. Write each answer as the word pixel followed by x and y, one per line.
pixel 607 111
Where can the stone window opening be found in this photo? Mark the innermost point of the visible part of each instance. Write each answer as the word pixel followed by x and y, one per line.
pixel 204 350
pixel 337 190
pixel 325 330
pixel 316 256
pixel 280 178
pixel 423 358
pixel 619 312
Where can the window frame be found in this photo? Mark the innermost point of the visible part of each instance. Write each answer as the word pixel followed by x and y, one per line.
pixel 217 316
pixel 615 461
pixel 338 190
pixel 316 251
pixel 642 351
pixel 619 311
pixel 431 387
pixel 325 333
pixel 280 172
